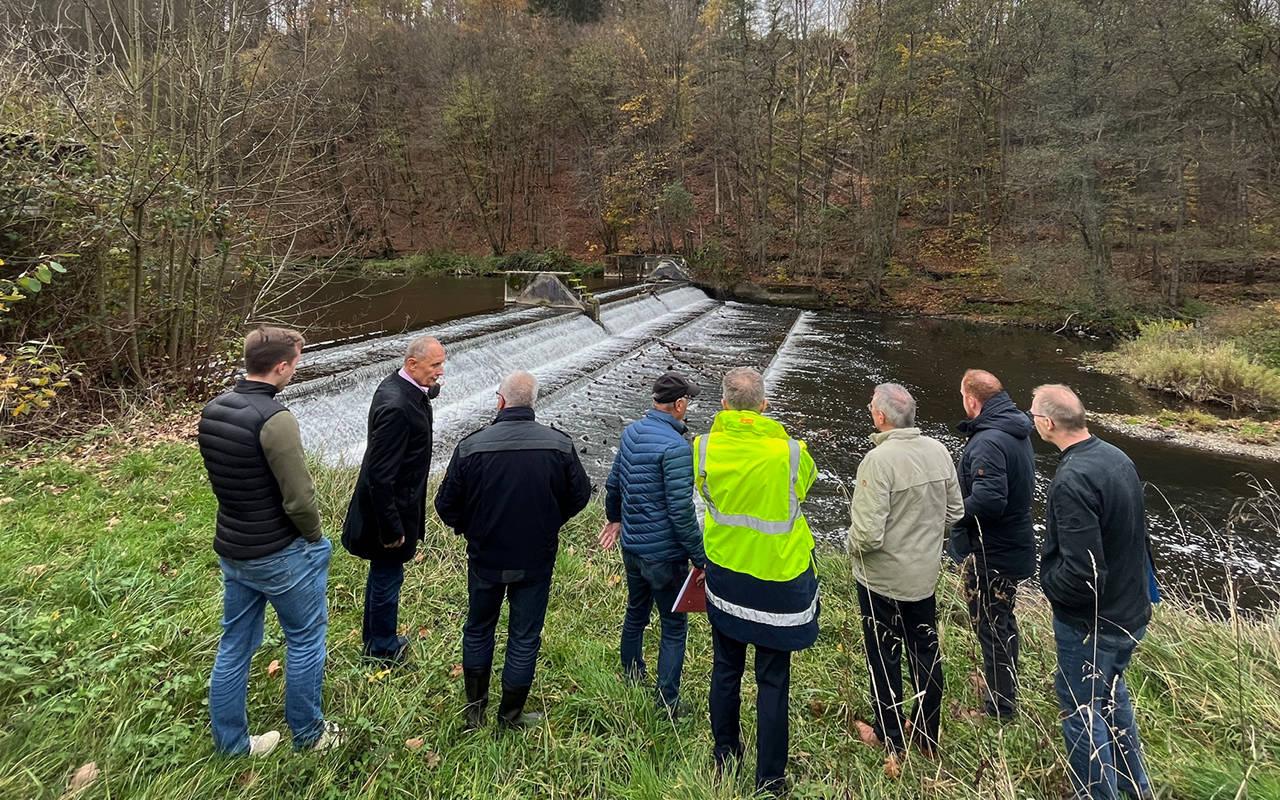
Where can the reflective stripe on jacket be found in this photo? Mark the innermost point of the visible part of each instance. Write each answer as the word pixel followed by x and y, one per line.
pixel 753 477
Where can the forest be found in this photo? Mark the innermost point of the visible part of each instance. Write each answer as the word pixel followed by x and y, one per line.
pixel 169 167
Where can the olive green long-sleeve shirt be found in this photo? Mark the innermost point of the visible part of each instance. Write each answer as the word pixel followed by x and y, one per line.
pixel 282 443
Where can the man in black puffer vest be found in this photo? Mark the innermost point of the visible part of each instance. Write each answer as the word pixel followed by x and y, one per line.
pixel 387 516
pixel 270 548
pixel 994 541
pixel 509 489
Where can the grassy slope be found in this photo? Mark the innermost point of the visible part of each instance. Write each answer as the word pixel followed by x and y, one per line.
pixel 109 622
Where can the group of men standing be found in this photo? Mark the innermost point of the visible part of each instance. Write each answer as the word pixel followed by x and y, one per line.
pixel 512 485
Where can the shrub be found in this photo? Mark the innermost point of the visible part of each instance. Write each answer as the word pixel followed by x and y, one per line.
pixel 1175 357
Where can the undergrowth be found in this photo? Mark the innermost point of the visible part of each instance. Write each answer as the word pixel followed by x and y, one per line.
pixel 109 621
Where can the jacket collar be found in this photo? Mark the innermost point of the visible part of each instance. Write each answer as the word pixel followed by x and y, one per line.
pixel 1080 447
pixel 513 414
pixel 663 416
pixel 748 423
pixel 246 386
pixel 880 437
pixel 409 378
pixel 999 413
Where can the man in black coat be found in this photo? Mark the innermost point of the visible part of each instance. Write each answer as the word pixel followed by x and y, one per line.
pixel 509 489
pixel 388 512
pixel 994 541
pixel 1097 573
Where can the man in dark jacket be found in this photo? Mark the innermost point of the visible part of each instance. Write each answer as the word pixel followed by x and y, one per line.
pixel 994 541
pixel 388 512
pixel 509 489
pixel 1095 570
pixel 270 548
pixel 649 501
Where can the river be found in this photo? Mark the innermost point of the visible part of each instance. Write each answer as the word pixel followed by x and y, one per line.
pixel 820 369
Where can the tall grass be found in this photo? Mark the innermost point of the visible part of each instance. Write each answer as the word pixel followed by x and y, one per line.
pixel 109 620
pixel 1171 356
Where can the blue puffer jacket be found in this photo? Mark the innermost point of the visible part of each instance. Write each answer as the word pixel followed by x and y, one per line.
pixel 650 491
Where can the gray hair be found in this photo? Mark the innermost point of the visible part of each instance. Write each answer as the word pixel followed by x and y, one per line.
pixel 519 389
pixel 743 389
pixel 418 347
pixel 896 403
pixel 1060 404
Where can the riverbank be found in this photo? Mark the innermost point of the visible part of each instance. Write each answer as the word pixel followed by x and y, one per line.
pixel 110 622
pixel 1246 437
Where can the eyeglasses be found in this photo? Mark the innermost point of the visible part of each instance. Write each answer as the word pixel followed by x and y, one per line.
pixel 1033 415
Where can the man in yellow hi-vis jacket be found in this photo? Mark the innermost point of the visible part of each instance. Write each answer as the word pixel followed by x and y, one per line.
pixel 761 586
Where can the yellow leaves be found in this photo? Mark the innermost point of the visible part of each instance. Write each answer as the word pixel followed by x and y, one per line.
pixel 273 669
pixel 374 677
pixel 456 672
pixel 415 744
pixel 83 777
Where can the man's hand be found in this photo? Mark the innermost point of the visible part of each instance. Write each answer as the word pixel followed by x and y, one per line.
pixel 701 580
pixel 609 535
pixel 396 543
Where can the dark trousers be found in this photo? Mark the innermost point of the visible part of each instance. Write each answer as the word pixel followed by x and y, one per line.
pixel 527 601
pixel 650 582
pixel 382 608
pixel 887 624
pixel 773 684
pixel 991 599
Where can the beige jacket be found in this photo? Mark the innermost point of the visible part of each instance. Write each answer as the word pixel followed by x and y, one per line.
pixel 905 502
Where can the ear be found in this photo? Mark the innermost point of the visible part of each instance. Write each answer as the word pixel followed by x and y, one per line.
pixel 764 405
pixel 723 405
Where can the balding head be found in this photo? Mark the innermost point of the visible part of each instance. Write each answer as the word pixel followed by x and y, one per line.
pixel 519 390
pixel 1061 405
pixel 743 389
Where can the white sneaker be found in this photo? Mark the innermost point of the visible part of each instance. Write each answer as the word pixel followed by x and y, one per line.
pixel 330 738
pixel 264 743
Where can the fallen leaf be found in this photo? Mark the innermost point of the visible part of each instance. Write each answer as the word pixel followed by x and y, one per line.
pixel 402 629
pixel 81 778
pixel 35 570
pixel 456 672
pixel 614 580
pixel 111 523
pixel 432 758
pixel 892 767
pixel 374 677
pixel 247 779
pixel 816 708
pixel 273 669
pixel 415 744
pixel 572 550
pixel 417 559
pixel 424 632
pixel 4 500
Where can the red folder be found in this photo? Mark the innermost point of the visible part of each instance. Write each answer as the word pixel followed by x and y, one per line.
pixel 693 595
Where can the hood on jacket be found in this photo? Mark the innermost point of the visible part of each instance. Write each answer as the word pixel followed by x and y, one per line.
pixel 998 413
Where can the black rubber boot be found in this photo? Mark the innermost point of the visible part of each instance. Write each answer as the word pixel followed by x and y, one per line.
pixel 511 708
pixel 476 682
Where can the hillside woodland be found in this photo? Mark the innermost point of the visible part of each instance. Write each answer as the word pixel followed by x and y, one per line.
pixel 169 167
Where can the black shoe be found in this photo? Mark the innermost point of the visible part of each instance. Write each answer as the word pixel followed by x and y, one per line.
pixel 392 658
pixel 476 682
pixel 511 708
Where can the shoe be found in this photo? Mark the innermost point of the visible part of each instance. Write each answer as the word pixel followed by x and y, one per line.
pixel 263 743
pixel 330 738
pixel 395 657
pixel 867 734
pixel 476 682
pixel 511 708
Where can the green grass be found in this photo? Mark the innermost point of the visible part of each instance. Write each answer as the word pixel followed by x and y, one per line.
pixel 110 598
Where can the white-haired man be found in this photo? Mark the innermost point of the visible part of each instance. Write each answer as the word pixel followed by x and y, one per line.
pixel 906 499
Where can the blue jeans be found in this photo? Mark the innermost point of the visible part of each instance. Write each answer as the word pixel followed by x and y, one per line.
pixel 528 611
pixel 1103 751
pixel 293 581
pixel 382 609
pixel 649 582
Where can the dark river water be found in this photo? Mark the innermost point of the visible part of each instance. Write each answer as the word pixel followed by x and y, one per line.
pixel 820 369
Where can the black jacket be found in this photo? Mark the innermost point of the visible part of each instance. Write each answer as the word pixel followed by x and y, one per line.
pixel 1094 568
pixel 252 522
pixel 997 474
pixel 390 500
pixel 508 490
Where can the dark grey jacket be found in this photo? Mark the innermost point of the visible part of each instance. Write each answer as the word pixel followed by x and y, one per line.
pixel 1095 565
pixel 508 490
